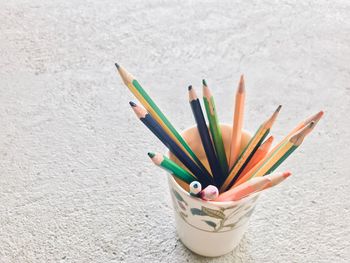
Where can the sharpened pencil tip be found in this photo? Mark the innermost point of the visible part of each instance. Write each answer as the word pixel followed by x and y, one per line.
pixel 287 174
pixel 117 65
pixel 241 88
pixel 132 104
pixel 278 108
pixel 204 82
pixel 151 154
pixel 241 78
pixel 189 87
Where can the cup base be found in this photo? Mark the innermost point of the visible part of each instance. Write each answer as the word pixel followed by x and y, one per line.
pixel 208 244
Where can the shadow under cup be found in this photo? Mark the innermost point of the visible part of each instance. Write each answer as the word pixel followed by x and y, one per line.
pixel 209 228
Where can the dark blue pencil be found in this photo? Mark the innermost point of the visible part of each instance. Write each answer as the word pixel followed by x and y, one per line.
pixel 205 137
pixel 157 130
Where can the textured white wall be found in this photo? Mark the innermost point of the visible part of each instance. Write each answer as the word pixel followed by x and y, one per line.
pixel 76 184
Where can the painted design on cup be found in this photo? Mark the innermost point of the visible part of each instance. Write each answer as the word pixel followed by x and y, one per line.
pixel 216 219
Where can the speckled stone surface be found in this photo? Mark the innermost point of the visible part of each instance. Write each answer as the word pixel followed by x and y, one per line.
pixel 76 184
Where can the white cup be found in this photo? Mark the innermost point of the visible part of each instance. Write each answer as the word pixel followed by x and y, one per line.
pixel 209 228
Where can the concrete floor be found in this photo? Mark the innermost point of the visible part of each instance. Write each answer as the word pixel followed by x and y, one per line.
pixel 76 184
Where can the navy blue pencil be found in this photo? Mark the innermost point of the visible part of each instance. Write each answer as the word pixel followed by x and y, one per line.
pixel 157 130
pixel 205 138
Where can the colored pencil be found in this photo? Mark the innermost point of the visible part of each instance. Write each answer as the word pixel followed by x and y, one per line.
pixel 135 87
pixel 245 189
pixel 238 174
pixel 214 127
pixel 250 149
pixel 195 188
pixel 296 140
pixel 276 157
pixel 170 166
pixel 260 153
pixel 204 136
pixel 252 186
pixel 209 193
pixel 276 178
pixel 237 123
pixel 315 118
pixel 157 130
pixel 284 152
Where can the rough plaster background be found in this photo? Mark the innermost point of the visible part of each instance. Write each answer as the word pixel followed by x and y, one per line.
pixel 76 184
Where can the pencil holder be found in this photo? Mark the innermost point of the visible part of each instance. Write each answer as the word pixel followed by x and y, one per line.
pixel 209 228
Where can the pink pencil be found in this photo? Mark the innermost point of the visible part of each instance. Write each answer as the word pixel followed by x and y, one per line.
pixel 209 193
pixel 277 178
pixel 253 185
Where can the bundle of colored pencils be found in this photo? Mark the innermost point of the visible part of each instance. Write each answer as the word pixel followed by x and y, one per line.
pixel 236 175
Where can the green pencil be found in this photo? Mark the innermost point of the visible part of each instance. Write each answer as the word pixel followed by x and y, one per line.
pixel 214 127
pixel 296 140
pixel 281 160
pixel 170 166
pixel 135 87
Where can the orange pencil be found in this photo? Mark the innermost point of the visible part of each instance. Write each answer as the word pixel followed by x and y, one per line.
pixel 314 118
pixel 245 189
pixel 275 156
pixel 248 152
pixel 260 153
pixel 277 178
pixel 237 123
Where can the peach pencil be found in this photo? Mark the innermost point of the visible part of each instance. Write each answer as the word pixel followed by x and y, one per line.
pixel 245 189
pixel 237 123
pixel 277 178
pixel 209 193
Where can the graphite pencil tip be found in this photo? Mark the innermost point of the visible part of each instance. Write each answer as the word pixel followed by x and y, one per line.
pixel 241 85
pixel 270 139
pixel 204 82
pixel 287 174
pixel 117 65
pixel 318 116
pixel 272 119
pixel 132 104
pixel 151 154
pixel 206 91
pixel 189 87
pixel 298 138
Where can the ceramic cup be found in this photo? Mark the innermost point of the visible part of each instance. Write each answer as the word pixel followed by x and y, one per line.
pixel 209 228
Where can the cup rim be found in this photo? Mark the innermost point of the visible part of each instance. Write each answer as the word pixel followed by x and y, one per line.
pixel 225 203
